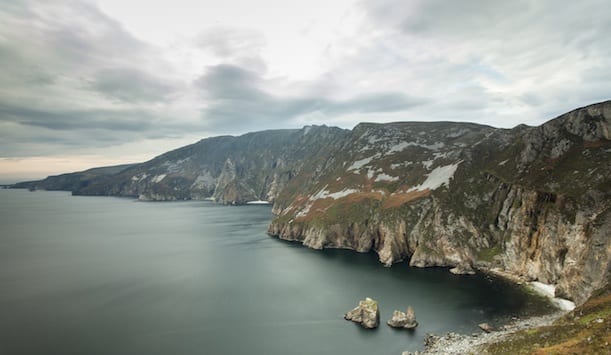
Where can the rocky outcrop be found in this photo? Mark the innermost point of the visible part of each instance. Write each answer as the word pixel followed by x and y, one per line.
pixel 403 320
pixel 366 314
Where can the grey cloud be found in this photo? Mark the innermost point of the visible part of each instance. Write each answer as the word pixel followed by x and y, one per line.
pixel 131 85
pixel 237 100
pixel 43 131
pixel 91 36
pixel 225 82
pixel 116 120
pixel 531 57
pixel 77 78
pixel 378 102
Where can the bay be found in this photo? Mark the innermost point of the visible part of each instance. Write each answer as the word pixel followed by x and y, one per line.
pixel 99 275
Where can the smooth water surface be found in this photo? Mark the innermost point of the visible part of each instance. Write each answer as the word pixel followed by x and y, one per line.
pixel 98 275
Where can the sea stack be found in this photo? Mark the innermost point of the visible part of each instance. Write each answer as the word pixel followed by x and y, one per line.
pixel 366 313
pixel 405 320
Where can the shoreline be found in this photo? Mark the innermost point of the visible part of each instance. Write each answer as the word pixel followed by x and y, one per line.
pixel 454 344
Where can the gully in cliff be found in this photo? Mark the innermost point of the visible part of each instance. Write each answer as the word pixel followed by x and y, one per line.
pixel 366 314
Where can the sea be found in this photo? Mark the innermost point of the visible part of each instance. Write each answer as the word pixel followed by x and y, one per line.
pixel 108 275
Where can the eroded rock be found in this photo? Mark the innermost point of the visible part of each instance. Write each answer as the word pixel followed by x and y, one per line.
pixel 405 320
pixel 366 313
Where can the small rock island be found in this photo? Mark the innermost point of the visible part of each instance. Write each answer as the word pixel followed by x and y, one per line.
pixel 366 313
pixel 405 320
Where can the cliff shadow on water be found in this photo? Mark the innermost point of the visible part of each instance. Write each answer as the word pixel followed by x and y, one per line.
pixel 430 289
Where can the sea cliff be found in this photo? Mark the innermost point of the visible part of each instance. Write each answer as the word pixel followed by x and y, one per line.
pixel 528 202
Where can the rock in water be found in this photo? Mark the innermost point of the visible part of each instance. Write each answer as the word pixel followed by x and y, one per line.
pixel 486 327
pixel 366 313
pixel 405 320
pixel 411 318
pixel 398 320
pixel 462 269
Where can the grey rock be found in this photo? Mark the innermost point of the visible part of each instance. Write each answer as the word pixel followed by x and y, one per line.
pixel 486 327
pixel 366 313
pixel 403 320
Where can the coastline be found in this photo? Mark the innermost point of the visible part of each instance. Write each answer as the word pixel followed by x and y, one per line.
pixel 454 344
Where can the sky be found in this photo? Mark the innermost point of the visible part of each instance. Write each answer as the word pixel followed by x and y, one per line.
pixel 88 83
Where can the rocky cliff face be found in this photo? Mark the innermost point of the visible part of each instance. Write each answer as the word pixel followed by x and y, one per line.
pixel 532 201
pixel 231 170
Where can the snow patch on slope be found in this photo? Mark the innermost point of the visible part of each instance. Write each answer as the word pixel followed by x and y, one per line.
pixel 441 175
pixel 158 178
pixel 324 193
pixel 384 177
pixel 361 163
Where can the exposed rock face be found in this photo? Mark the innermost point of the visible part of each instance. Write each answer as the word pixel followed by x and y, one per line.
pixel 366 313
pixel 405 320
pixel 227 169
pixel 531 201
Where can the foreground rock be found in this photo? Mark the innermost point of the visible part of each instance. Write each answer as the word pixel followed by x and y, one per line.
pixel 459 344
pixel 405 320
pixel 486 327
pixel 366 313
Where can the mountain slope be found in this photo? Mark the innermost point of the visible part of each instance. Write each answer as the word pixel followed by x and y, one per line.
pixel 233 170
pixel 531 201
pixel 71 181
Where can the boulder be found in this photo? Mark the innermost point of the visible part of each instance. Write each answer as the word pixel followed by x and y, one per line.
pixel 366 313
pixel 462 269
pixel 486 327
pixel 403 320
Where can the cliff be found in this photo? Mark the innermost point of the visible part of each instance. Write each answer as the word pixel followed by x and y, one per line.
pixel 227 169
pixel 531 201
pixel 71 181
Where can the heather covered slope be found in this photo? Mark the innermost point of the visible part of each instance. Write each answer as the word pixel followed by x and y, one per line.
pixel 531 201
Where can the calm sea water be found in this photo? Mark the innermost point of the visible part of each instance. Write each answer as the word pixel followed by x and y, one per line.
pixel 95 275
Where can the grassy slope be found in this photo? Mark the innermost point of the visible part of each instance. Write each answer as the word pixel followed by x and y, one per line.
pixel 585 330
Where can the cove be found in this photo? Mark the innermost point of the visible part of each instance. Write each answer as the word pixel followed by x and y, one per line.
pixel 91 275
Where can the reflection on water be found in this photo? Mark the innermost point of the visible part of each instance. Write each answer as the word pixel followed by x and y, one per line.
pixel 90 275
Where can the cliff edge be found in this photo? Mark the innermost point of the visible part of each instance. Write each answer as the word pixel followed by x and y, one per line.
pixel 532 202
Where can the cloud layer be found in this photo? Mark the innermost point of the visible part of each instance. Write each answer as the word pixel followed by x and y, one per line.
pixel 75 78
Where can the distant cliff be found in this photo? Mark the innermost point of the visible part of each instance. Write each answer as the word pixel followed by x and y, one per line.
pixel 72 181
pixel 230 170
pixel 529 201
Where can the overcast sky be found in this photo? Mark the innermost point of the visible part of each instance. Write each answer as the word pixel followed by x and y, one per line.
pixel 87 83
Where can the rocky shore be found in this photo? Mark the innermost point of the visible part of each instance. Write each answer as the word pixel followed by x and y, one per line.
pixel 453 343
